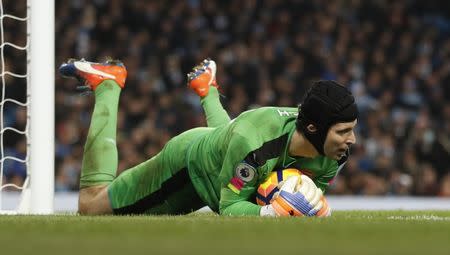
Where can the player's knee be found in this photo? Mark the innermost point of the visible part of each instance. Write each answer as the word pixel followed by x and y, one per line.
pixel 94 201
pixel 85 208
pixel 90 208
pixel 86 203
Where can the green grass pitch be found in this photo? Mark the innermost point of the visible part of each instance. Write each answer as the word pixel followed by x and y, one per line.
pixel 352 232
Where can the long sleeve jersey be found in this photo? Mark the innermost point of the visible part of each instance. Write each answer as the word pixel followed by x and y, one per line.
pixel 227 163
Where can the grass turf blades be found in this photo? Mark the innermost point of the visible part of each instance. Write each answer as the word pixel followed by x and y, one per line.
pixel 351 232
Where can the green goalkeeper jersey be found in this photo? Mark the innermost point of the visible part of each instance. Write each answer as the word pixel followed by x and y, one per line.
pixel 227 163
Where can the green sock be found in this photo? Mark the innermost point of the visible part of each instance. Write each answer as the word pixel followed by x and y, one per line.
pixel 215 114
pixel 100 157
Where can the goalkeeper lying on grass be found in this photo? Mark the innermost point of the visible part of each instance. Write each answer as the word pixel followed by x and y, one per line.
pixel 220 165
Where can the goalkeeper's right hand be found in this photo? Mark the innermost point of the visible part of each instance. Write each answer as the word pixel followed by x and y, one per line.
pixel 298 196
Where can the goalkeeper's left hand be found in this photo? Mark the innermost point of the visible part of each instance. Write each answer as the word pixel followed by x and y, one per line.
pixel 298 196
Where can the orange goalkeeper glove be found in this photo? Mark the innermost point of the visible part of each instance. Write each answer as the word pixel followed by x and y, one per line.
pixel 298 196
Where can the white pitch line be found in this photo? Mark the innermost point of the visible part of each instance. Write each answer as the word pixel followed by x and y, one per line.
pixel 420 217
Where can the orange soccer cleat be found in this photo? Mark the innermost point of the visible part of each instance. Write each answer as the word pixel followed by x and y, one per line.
pixel 92 74
pixel 202 77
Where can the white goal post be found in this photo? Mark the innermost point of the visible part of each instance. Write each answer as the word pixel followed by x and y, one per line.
pixel 41 138
pixel 38 189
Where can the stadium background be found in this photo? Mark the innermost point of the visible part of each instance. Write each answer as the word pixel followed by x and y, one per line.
pixel 393 55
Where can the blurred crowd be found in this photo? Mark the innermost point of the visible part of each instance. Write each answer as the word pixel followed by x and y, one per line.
pixel 393 55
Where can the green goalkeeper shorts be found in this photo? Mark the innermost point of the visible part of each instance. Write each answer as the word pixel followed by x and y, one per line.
pixel 160 185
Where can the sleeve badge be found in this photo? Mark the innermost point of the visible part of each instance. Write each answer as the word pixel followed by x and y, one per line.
pixel 243 174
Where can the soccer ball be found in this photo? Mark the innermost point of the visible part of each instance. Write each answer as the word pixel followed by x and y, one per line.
pixel 267 189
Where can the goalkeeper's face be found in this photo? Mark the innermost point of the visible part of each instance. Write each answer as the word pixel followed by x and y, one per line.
pixel 340 137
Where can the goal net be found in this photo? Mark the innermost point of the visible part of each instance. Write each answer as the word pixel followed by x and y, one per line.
pixel 27 106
